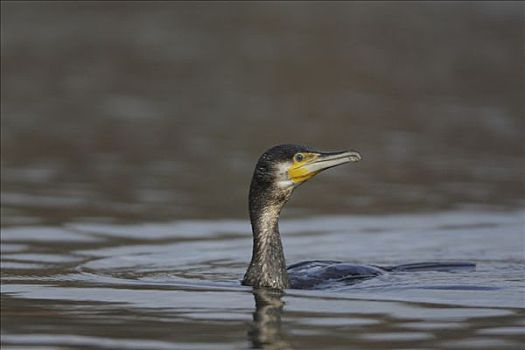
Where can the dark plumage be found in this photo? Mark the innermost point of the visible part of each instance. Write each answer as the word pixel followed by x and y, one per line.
pixel 266 199
pixel 277 173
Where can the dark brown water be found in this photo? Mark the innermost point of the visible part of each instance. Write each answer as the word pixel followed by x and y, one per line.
pixel 130 131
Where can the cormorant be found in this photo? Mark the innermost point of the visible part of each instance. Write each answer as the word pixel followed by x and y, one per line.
pixel 277 173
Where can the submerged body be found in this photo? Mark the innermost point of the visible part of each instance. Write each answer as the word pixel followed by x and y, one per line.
pixel 312 274
pixel 324 273
pixel 277 173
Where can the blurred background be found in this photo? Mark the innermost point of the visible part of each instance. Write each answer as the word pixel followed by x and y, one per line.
pixel 134 111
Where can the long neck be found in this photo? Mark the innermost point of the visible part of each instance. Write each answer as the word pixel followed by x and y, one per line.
pixel 267 267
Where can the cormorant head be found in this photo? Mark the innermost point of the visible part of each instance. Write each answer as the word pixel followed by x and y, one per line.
pixel 287 166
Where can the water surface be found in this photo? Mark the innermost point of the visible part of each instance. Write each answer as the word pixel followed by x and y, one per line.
pixel 151 283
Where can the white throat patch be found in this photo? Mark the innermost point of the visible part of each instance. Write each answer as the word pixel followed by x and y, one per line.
pixel 281 174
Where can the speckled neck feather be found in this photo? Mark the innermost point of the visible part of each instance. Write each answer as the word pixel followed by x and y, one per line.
pixel 267 267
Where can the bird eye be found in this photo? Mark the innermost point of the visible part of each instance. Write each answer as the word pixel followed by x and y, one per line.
pixel 299 157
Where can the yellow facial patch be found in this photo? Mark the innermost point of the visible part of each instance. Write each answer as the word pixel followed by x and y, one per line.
pixel 297 172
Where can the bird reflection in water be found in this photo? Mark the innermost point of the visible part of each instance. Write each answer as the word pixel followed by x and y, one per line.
pixel 265 331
